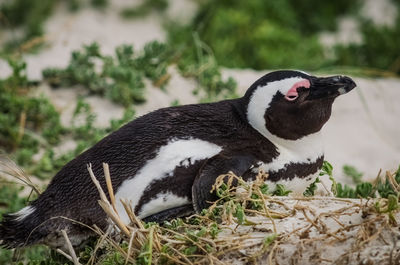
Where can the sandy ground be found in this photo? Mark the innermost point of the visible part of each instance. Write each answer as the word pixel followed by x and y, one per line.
pixel 363 131
pixel 320 231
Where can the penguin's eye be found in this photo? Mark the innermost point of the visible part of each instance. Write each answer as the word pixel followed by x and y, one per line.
pixel 293 92
pixel 292 95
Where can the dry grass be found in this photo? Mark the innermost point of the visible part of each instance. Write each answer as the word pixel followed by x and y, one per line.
pixel 246 225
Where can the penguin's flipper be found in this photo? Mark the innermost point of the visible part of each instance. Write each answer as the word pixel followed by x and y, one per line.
pixel 214 167
pixel 176 212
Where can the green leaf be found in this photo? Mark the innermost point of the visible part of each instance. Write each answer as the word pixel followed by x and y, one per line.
pixel 393 203
pixel 264 188
pixel 268 240
pixel 353 173
pixel 281 190
pixel 345 191
pixel 240 214
pixel 310 190
pixel 326 169
pixel 397 176
pixel 190 250
pixel 214 230
pixel 365 190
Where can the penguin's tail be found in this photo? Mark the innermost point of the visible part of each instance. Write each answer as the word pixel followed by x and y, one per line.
pixel 22 228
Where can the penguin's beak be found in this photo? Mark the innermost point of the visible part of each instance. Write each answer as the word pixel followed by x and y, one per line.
pixel 330 87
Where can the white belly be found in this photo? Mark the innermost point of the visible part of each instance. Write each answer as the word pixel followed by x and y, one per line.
pixel 176 152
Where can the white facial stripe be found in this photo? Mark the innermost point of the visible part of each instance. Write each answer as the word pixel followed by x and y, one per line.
pixel 163 201
pixel 261 100
pixel 167 158
pixel 23 213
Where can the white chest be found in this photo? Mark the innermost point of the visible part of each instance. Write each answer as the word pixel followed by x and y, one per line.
pixel 304 151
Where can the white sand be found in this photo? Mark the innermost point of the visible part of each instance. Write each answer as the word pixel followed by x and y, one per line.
pixel 321 231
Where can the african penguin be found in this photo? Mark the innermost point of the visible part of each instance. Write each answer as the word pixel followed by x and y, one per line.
pixel 164 163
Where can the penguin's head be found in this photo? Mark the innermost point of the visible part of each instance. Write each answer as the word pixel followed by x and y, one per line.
pixel 292 104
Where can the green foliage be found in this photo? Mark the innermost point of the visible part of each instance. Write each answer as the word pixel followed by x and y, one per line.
pixel 9 199
pixel 29 14
pixel 327 169
pixel 379 49
pixel 268 240
pixel 362 190
pixel 214 230
pixel 113 258
pixel 256 203
pixel 197 61
pixel 154 61
pixel 365 190
pixel 22 116
pixel 99 3
pixel 344 191
pixel 145 8
pixel 384 187
pixel 145 256
pixel 117 79
pixel 310 190
pixel 273 34
pixel 223 192
pixel 397 175
pixel 264 188
pixel 392 205
pixel 353 173
pixel 280 190
pixel 239 214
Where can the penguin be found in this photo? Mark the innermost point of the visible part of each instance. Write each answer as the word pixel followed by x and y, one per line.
pixel 165 162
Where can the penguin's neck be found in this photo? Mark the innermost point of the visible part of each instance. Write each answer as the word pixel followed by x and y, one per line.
pixel 308 146
pixel 306 150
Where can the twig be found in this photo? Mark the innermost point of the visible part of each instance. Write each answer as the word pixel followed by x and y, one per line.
pixel 107 176
pixel 70 248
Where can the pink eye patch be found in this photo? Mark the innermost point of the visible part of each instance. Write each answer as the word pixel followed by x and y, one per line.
pixel 292 94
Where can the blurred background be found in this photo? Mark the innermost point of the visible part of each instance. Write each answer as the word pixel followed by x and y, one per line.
pixel 72 71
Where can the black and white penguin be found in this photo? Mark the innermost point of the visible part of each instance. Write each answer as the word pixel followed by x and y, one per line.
pixel 164 163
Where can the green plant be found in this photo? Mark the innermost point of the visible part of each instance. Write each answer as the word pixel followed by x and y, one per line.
pixel 272 34
pixel 118 79
pixel 280 190
pixel 379 48
pixel 145 8
pixel 268 240
pixel 353 173
pixel 24 117
pixel 327 169
pixel 390 207
pixel 29 14
pixel 344 191
pixel 385 187
pixel 310 190
pixel 197 60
